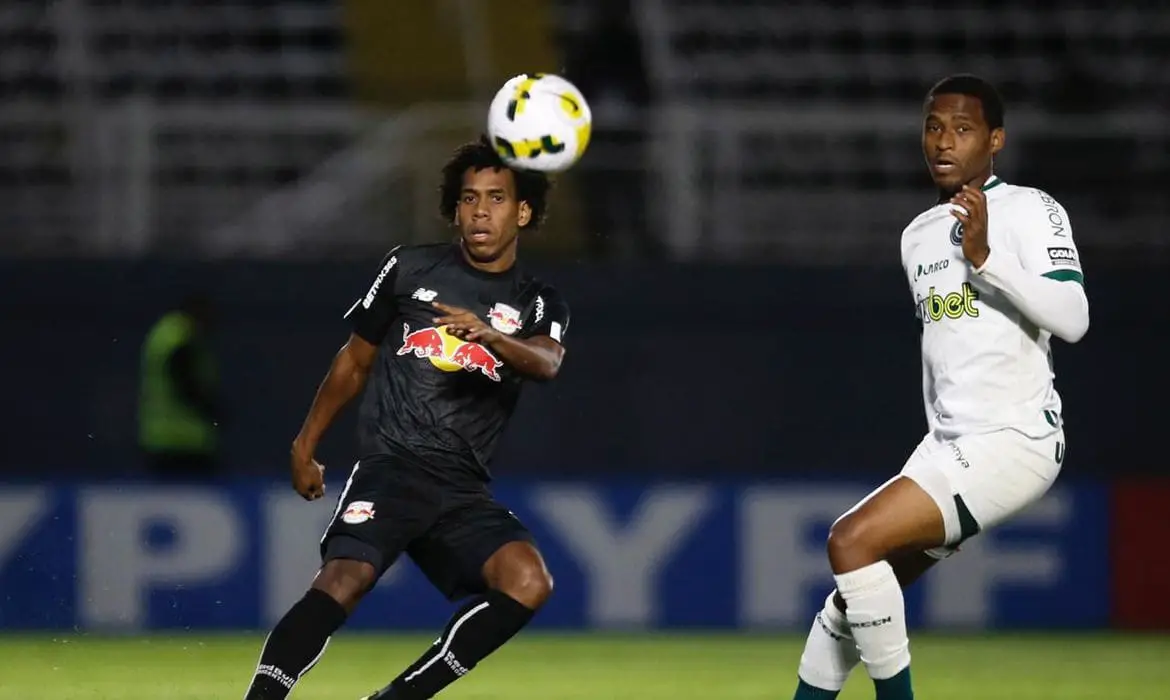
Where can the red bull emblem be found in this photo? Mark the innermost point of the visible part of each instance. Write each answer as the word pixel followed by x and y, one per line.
pixel 504 319
pixel 358 512
pixel 427 342
pixel 448 353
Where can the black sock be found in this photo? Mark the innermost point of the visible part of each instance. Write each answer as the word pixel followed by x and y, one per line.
pixel 295 644
pixel 476 630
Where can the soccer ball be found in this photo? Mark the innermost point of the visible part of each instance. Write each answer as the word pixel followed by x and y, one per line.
pixel 539 122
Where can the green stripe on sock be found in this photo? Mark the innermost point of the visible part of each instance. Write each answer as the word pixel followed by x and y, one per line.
pixel 897 687
pixel 804 691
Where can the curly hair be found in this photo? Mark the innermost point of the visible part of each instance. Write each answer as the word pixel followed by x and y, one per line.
pixel 531 186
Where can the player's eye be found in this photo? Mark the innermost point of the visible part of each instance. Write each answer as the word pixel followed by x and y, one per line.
pixel 498 198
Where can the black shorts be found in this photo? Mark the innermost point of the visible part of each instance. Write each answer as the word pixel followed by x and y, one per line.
pixel 390 506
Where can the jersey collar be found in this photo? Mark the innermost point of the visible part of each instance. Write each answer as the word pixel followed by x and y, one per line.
pixel 457 251
pixel 991 182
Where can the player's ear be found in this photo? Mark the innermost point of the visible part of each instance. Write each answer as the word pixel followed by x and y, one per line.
pixel 525 214
pixel 456 220
pixel 998 138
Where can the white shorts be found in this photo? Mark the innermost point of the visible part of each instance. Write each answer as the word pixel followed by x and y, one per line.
pixel 979 481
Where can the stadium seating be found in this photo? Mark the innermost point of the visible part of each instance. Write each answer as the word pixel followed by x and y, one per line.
pixel 837 161
pixel 883 50
pixel 778 129
pixel 79 86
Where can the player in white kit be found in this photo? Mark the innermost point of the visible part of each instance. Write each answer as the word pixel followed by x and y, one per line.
pixel 994 275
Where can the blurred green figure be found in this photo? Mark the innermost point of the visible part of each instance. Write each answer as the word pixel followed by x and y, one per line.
pixel 178 409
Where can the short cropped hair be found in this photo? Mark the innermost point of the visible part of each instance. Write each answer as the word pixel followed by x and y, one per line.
pixel 531 186
pixel 972 86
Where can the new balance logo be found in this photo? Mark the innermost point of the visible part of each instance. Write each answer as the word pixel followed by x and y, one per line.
pixel 422 294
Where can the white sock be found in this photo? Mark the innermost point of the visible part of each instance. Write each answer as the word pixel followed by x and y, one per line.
pixel 830 652
pixel 877 617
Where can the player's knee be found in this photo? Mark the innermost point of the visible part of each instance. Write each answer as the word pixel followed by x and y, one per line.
pixel 518 571
pixel 851 546
pixel 529 583
pixel 346 580
pixel 531 586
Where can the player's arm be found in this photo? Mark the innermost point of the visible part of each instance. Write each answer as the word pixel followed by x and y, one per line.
pixel 536 353
pixel 344 380
pixel 1041 277
pixel 536 358
pixel 370 318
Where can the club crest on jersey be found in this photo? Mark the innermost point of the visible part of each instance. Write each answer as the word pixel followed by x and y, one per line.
pixel 957 233
pixel 358 512
pixel 504 319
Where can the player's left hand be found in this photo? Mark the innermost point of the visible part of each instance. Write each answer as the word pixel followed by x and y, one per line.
pixel 464 324
pixel 973 216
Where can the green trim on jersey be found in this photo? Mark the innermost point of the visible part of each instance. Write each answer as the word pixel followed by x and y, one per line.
pixel 1066 276
pixel 992 182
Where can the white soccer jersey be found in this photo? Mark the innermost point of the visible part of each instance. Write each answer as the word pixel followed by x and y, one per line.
pixel 985 333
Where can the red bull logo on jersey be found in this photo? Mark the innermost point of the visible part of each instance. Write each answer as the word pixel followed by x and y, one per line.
pixel 358 512
pixel 448 353
pixel 504 319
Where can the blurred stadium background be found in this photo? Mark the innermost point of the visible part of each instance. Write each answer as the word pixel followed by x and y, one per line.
pixel 743 358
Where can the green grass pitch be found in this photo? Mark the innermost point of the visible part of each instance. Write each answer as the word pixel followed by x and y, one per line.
pixel 541 666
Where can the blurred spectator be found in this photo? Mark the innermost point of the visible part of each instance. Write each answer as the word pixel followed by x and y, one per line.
pixel 178 411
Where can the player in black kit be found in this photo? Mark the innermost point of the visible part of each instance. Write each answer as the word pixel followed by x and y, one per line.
pixel 447 334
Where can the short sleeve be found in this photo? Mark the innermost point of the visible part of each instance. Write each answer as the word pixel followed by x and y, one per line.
pixel 373 312
pixel 1044 238
pixel 550 316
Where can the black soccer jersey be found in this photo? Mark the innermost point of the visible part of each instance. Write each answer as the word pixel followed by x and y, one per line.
pixel 433 399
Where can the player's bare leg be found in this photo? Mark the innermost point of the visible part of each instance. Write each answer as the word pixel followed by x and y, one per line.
pixel 900 517
pixel 299 640
pixel 518 571
pixel 830 653
pixel 518 585
pixel 897 523
pixel 346 581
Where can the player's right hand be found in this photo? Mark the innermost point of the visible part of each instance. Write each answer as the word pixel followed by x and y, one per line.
pixel 308 476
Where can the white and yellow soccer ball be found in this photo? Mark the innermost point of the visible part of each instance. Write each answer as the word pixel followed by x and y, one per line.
pixel 539 122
